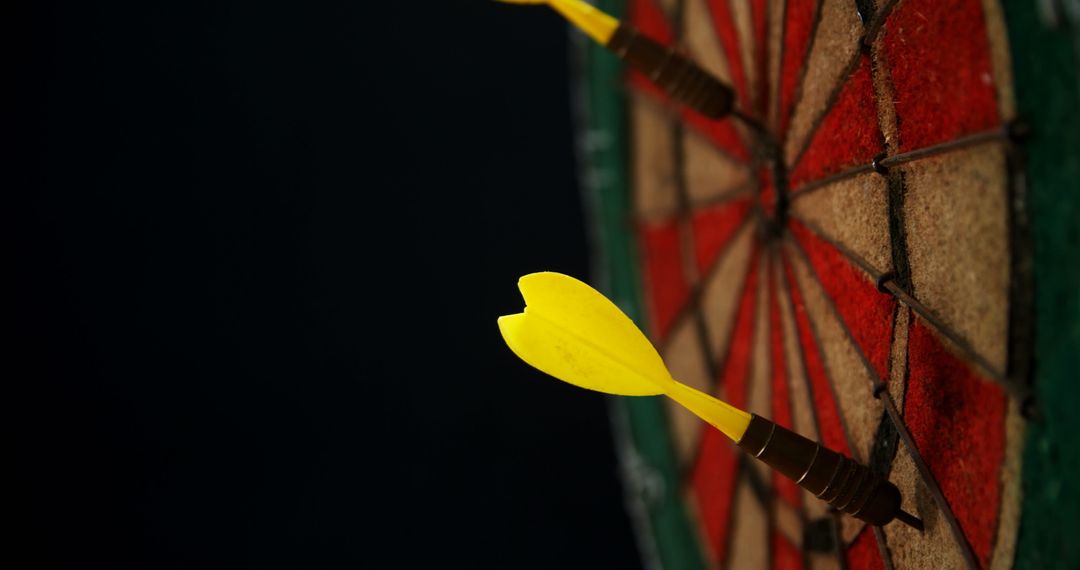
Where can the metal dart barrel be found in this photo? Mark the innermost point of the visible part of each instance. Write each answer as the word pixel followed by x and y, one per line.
pixel 681 78
pixel 845 484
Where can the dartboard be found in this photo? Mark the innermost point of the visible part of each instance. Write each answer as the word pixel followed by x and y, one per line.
pixel 851 261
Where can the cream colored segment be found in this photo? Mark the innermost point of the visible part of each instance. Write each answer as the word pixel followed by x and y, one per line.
pixel 813 506
pixel 774 50
pixel 802 404
pixel 669 8
pixel 710 173
pixel 822 561
pixel 742 16
pixel 834 47
pixel 850 527
pixel 849 375
pixel 999 58
pixel 884 95
pixel 759 391
pixel 652 161
pixel 854 213
pixel 721 294
pixel 750 531
pixel 898 360
pixel 1011 492
pixel 788 522
pixel 700 38
pixel 803 420
pixel 687 363
pixel 958 242
pixel 933 548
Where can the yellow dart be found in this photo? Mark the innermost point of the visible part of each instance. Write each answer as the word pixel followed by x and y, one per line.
pixel 572 332
pixel 677 75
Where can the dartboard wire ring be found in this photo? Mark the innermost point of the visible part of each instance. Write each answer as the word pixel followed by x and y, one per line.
pixel 989 136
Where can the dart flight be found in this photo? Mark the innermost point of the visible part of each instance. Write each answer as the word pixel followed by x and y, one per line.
pixel 572 332
pixel 679 77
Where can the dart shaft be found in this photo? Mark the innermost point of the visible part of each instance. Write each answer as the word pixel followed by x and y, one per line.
pixel 848 486
pixel 681 78
pixel 717 413
pixel 595 23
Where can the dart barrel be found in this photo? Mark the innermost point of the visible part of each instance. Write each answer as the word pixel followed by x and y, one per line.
pixel 846 485
pixel 681 78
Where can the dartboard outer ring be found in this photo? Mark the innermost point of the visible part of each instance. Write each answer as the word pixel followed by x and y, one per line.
pixel 663 496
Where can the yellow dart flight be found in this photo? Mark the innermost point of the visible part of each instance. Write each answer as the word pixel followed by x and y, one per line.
pixel 572 332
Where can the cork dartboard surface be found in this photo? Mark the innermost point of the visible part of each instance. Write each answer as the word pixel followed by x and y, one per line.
pixel 859 269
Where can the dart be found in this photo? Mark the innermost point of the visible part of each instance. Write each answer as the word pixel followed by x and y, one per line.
pixel 677 75
pixel 572 332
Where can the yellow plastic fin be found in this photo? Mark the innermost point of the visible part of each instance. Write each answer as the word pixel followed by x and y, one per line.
pixel 572 332
pixel 598 25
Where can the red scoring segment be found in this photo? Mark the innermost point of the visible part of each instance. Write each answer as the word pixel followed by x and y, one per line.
pixel 799 20
pixel 759 13
pixel 830 426
pixel 849 134
pixel 712 485
pixel 867 312
pixel 953 413
pixel 787 489
pixel 786 556
pixel 939 58
pixel 724 23
pixel 715 474
pixel 864 553
pixel 662 255
pixel 665 280
pixel 713 228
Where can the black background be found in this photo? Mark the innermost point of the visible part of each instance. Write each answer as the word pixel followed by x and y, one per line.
pixel 258 250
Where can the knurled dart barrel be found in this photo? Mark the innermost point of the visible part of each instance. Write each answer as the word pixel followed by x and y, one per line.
pixel 846 485
pixel 677 75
